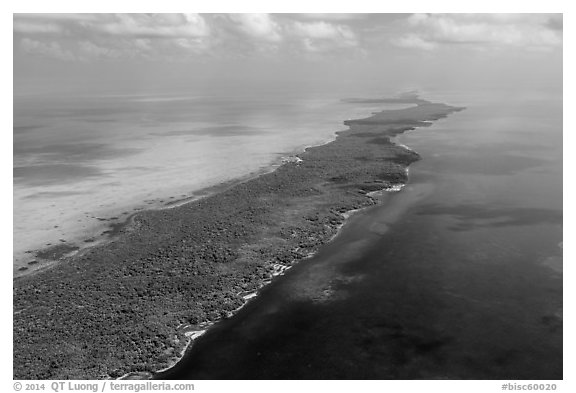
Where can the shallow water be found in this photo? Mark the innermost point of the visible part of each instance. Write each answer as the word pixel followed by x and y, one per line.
pixel 458 276
pixel 83 163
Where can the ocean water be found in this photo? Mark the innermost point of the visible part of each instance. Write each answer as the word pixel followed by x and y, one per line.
pixel 82 163
pixel 458 276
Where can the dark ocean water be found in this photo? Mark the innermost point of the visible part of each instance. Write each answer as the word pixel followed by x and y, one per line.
pixel 458 276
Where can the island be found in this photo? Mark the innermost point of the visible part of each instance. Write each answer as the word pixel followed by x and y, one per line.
pixel 128 308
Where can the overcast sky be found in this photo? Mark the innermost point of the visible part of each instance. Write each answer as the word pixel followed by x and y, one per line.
pixel 178 52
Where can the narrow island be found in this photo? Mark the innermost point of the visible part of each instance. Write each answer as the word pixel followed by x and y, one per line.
pixel 129 308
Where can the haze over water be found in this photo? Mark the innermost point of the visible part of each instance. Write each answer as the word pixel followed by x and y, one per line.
pixel 114 112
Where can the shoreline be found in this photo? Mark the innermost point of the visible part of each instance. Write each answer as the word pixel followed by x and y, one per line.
pixel 205 253
pixel 196 334
pixel 247 296
pixel 59 253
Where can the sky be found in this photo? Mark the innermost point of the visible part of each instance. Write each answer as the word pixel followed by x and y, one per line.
pixel 139 53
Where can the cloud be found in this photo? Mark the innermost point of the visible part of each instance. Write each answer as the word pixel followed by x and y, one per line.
pixel 57 17
pixel 51 24
pixel 51 49
pixel 185 35
pixel 413 41
pixel 23 27
pixel 332 16
pixel 125 25
pixel 173 36
pixel 89 50
pixel 323 30
pixel 323 36
pixel 428 31
pixel 155 26
pixel 110 36
pixel 259 26
pixel 193 45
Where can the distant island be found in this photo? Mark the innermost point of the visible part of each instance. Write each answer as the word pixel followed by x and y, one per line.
pixel 130 307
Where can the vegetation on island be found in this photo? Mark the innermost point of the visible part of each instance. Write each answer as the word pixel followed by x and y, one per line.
pixel 120 307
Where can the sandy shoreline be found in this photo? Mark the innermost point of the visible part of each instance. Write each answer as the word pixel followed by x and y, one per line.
pixel 46 257
pixel 201 261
